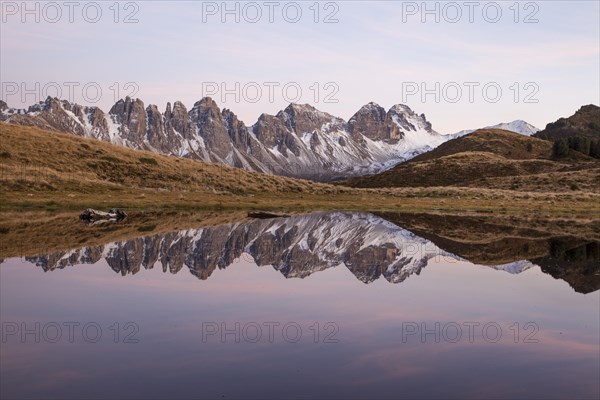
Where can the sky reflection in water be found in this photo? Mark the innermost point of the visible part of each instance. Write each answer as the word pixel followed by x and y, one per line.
pixel 362 352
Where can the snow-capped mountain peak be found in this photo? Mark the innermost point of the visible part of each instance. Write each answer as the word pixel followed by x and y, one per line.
pixel 299 141
pixel 517 126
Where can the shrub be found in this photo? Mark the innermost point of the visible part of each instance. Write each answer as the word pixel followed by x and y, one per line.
pixel 560 148
pixel 148 160
pixel 595 148
pixel 529 147
pixel 580 144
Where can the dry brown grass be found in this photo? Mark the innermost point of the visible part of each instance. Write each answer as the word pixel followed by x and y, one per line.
pixel 39 232
pixel 33 159
pixel 43 170
pixel 503 143
pixel 491 158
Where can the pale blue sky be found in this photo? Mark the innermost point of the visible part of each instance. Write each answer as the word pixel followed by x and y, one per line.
pixel 371 54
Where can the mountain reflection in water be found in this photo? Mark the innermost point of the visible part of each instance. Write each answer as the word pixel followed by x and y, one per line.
pixel 352 337
pixel 368 245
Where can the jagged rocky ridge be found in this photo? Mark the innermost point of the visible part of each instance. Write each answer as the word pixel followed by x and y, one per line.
pixel 299 141
pixel 369 246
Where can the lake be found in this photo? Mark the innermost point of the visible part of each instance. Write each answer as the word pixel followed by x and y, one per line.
pixel 337 304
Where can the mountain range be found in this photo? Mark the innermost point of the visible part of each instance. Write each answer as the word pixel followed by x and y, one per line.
pixel 299 141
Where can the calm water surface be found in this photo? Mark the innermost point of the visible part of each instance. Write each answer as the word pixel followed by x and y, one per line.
pixel 325 305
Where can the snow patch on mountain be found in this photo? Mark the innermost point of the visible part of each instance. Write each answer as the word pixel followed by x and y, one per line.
pixel 299 141
pixel 517 126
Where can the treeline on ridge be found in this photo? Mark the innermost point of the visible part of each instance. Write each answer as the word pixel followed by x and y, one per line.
pixel 589 147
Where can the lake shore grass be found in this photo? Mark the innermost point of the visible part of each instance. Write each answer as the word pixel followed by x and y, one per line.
pixel 446 199
pixel 32 232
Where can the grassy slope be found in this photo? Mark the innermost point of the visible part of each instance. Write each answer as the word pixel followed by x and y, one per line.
pixel 56 171
pixel 494 159
pixel 52 161
pixel 503 143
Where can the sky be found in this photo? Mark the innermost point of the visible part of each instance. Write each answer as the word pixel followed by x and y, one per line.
pixel 463 64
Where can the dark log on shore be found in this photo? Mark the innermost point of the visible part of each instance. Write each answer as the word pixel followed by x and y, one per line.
pixel 266 215
pixel 92 216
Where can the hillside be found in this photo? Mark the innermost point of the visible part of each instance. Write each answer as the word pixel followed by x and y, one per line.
pixel 33 158
pixel 62 172
pixel 53 169
pixel 584 123
pixel 491 158
pixel 299 141
pixel 499 142
pixel 517 126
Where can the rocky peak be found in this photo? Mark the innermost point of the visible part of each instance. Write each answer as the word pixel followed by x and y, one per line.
pixel 295 109
pixel 50 104
pixel 236 129
pixel 177 112
pixel 3 106
pixel 179 109
pixel 126 106
pixel 408 120
pixel 302 118
pixel 155 125
pixel 270 130
pixel 152 108
pixel 209 123
pixel 97 120
pixel 368 121
pixel 372 110
pixel 401 109
pixel 206 111
pixel 58 115
pixel 177 119
pixel 373 122
pixel 131 115
pixel 281 131
pixel 66 105
pixel 206 104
